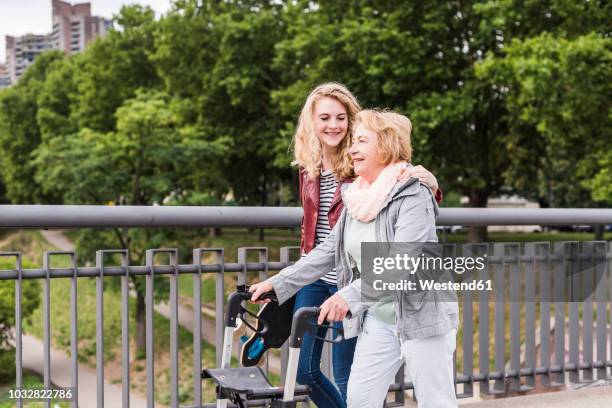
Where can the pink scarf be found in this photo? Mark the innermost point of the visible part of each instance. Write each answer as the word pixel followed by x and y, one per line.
pixel 364 201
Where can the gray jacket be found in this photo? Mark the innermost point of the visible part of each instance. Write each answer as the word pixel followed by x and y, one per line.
pixel 408 215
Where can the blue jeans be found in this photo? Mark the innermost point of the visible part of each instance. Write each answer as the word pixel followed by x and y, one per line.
pixel 323 392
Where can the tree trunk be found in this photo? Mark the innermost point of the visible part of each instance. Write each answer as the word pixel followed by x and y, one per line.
pixel 264 200
pixel 141 347
pixel 599 232
pixel 214 232
pixel 478 198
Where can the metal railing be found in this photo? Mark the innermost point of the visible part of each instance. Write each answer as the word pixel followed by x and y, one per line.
pixel 96 216
pixel 514 259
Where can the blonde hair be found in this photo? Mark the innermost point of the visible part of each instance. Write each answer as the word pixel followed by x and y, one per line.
pixel 307 147
pixel 393 131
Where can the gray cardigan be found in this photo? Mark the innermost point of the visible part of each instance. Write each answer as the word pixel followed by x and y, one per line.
pixel 408 215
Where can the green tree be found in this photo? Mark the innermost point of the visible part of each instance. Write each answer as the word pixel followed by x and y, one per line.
pixel 147 160
pixel 557 95
pixel 57 99
pixel 20 133
pixel 114 67
pixel 216 59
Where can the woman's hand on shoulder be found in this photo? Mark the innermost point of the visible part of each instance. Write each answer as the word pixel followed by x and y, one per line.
pixel 424 176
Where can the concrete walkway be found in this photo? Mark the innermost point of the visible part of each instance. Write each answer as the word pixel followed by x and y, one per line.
pixel 593 397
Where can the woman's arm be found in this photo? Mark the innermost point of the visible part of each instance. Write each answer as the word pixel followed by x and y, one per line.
pixel 308 269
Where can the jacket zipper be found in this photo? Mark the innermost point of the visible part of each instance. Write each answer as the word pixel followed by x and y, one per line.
pixel 379 239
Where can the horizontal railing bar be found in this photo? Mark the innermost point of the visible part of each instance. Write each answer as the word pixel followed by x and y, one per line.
pixel 252 403
pixel 12 274
pixel 95 216
pixel 91 271
pixel 526 372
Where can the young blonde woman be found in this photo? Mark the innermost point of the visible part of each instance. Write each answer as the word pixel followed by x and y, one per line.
pixel 381 204
pixel 321 145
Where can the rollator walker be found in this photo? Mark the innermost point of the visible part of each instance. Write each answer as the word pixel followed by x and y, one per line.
pixel 242 384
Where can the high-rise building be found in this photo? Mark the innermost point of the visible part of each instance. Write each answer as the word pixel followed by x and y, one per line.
pixel 21 52
pixel 74 28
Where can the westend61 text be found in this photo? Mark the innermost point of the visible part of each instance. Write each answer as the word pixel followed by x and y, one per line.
pixel 430 284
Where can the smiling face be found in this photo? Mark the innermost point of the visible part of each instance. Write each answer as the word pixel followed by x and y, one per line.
pixel 365 154
pixel 330 122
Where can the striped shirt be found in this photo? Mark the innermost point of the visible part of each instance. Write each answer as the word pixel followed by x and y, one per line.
pixel 327 189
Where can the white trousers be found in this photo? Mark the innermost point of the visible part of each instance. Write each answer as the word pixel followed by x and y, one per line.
pixel 378 357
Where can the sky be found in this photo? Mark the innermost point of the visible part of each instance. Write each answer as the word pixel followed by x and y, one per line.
pixel 18 17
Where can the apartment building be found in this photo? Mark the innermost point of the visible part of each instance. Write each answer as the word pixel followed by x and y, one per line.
pixel 74 28
pixel 22 51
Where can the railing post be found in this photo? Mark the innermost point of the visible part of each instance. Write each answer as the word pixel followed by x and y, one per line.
pixel 586 268
pixel 149 255
pixel 530 315
pixel 560 274
pixel 100 329
pixel 285 258
pixel 609 267
pixel 74 337
pixel 514 274
pixel 197 315
pixel 601 300
pixel 124 326
pixel 499 384
pixel 18 323
pixel 468 337
pixel 74 361
pixel 543 252
pixel 173 300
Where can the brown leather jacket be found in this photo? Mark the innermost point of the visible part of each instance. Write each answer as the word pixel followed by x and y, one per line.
pixel 309 196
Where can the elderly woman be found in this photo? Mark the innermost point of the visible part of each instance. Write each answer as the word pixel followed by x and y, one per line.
pixel 381 205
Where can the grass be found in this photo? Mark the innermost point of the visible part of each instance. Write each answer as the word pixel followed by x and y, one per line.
pixel 527 237
pixel 29 242
pixel 30 382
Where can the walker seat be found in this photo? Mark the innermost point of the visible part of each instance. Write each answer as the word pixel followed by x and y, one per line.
pixel 247 383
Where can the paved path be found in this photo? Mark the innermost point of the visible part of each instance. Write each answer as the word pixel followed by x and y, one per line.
pixel 593 397
pixel 61 368
pixel 58 239
pixel 61 371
